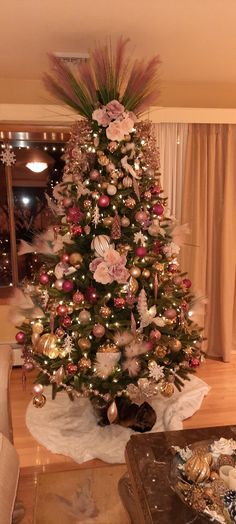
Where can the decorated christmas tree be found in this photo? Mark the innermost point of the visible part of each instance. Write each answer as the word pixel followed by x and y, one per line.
pixel 107 315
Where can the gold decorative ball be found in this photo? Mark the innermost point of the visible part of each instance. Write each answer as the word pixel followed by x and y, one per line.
pixel 84 363
pixel 107 221
pixel 37 328
pixel 161 351
pixel 175 345
pixel 125 221
pixel 47 342
pixel 146 273
pixel 148 195
pixel 214 475
pixel 75 258
pixel 38 402
pixel 109 347
pixel 130 203
pixel 158 266
pixel 166 388
pixel 104 185
pixel 127 181
pixel 135 271
pixel 133 285
pixel 105 312
pixel 87 204
pixel 70 310
pixel 103 160
pixel 53 353
pixel 84 343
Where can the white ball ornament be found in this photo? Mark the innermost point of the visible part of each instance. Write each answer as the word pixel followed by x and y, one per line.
pixel 111 189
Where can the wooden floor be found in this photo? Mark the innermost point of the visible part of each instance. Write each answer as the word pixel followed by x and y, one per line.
pixel 217 409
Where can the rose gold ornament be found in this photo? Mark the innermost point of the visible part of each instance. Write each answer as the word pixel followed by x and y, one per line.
pixel 103 160
pixel 161 351
pixel 39 401
pixel 112 412
pixel 127 181
pixel 104 185
pixel 146 273
pixel 60 332
pixel 62 309
pixel 141 216
pixel 87 204
pixel 175 345
pixel 37 328
pixel 46 343
pixel 84 343
pixel 84 316
pixel 111 189
pixel 58 284
pixel 130 203
pixel 38 389
pixel 125 221
pixel 107 221
pixel 78 297
pixel 148 195
pixel 135 272
pixel 98 330
pixel 109 347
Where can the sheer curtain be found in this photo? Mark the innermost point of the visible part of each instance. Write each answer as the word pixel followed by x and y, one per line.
pixel 208 205
pixel 172 140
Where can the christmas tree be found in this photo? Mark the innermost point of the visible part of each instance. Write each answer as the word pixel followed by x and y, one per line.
pixel 107 315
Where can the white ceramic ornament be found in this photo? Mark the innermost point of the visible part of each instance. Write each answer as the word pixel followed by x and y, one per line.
pixel 100 244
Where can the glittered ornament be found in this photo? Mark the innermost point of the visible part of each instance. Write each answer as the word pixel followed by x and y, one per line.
pixel 156 190
pixel 20 337
pixel 58 284
pixel 187 283
pixel 39 401
pixel 103 201
pixel 47 342
pixel 75 214
pixel 140 251
pixel 158 209
pixel 78 297
pixel 170 313
pixel 65 258
pixel 132 285
pixel 71 368
pixel 84 363
pixel 105 312
pixel 84 316
pixel 115 228
pixel 194 362
pixel 135 271
pixel 77 230
pixel 66 322
pixel 130 203
pixel 75 259
pixel 160 351
pixel 84 344
pixel 94 175
pixel 98 330
pixel 119 302
pixel 91 295
pixel 147 195
pixel 60 332
pixel 111 189
pixel 68 286
pixel 44 279
pixel 141 216
pixel 166 388
pixel 109 347
pixel 155 334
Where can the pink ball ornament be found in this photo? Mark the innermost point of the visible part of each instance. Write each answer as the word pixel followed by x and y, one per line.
pixel 60 332
pixel 62 310
pixel 103 201
pixel 156 190
pixel 172 268
pixel 94 175
pixel 141 216
pixel 68 286
pixel 194 362
pixel 74 214
pixel 140 251
pixel 149 345
pixel 65 258
pixel 177 280
pixel 44 279
pixel 119 302
pixel 170 313
pixel 78 297
pixel 155 335
pixel 91 294
pixel 28 366
pixel 67 202
pixel 187 283
pixel 58 284
pixel 38 389
pixel 158 209
pixel 66 322
pixel 20 337
pixel 98 330
pixel 76 230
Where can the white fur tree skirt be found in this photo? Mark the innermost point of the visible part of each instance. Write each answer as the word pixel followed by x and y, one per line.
pixel 70 428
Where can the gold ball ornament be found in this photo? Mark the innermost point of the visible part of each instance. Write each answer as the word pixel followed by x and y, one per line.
pixel 37 328
pixel 107 221
pixel 53 353
pixel 103 160
pixel 105 312
pixel 75 258
pixel 48 343
pixel 135 271
pixel 127 181
pixel 38 402
pixel 84 363
pixel 161 351
pixel 197 469
pixel 87 204
pixel 130 203
pixel 175 345
pixel 125 221
pixel 146 273
pixel 84 343
pixel 109 347
pixel 104 185
pixel 166 388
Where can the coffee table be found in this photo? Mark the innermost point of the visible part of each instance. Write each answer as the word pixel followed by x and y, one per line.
pixel 146 491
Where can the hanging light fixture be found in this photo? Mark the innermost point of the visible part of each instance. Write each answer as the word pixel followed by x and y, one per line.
pixel 37 167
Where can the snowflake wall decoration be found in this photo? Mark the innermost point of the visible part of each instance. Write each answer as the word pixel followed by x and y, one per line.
pixel 8 156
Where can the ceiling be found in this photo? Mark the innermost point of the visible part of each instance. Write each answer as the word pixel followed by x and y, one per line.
pixel 196 40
